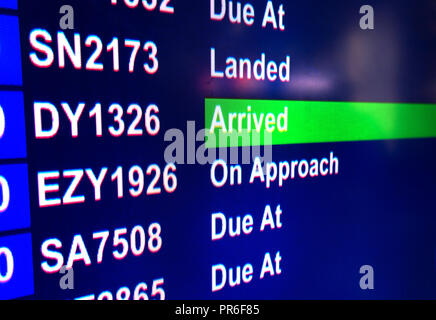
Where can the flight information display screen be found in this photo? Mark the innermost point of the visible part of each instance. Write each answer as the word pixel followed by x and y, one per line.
pixel 216 149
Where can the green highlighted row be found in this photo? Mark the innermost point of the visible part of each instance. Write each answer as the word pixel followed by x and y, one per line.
pixel 238 122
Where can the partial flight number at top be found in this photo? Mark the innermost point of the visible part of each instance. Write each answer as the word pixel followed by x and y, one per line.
pixel 150 5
